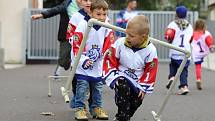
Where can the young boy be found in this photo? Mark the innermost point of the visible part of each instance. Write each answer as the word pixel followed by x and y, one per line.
pixel 202 44
pixel 89 69
pixel 73 23
pixel 179 32
pixel 130 67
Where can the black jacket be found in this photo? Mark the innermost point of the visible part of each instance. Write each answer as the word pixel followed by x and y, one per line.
pixel 64 18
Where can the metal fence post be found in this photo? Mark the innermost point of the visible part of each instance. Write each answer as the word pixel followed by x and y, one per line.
pixel 1 51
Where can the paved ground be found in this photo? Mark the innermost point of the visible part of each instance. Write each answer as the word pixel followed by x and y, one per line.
pixel 23 96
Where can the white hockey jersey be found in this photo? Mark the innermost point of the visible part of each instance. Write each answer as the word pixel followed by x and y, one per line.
pixel 73 22
pixel 199 46
pixel 182 38
pixel 138 66
pixel 99 40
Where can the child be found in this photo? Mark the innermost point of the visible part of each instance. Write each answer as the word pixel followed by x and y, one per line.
pixel 131 67
pixel 73 23
pixel 89 69
pixel 179 32
pixel 202 44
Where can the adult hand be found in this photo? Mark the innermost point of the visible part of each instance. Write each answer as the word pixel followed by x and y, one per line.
pixel 36 16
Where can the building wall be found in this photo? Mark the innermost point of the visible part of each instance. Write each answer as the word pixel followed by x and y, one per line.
pixel 11 18
pixel 211 6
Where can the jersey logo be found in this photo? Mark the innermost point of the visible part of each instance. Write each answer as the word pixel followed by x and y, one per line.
pixel 75 38
pixel 94 53
pixel 131 73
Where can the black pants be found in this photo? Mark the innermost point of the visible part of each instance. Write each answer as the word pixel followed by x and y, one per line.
pixel 64 54
pixel 126 100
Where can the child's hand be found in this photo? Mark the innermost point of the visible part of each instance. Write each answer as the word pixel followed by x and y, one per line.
pixel 141 94
pixel 87 64
pixel 212 49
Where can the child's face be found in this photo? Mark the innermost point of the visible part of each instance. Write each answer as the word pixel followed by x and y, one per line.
pixel 86 4
pixel 133 38
pixel 99 14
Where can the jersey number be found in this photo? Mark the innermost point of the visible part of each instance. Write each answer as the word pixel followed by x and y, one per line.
pixel 182 40
pixel 200 47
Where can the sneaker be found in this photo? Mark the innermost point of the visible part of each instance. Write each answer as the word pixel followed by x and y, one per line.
pixel 169 84
pixel 183 90
pixel 81 114
pixel 199 85
pixel 99 113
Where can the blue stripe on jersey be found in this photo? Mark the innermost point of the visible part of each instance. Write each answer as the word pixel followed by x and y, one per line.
pixel 87 78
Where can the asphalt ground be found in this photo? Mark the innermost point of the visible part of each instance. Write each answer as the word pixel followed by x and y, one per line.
pixel 24 96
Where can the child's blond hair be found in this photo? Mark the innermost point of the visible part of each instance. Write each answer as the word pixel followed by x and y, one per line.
pixel 140 23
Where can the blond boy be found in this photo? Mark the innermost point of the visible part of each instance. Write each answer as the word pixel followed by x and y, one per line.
pixel 131 67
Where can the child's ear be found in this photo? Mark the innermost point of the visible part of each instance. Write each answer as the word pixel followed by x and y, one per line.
pixel 144 35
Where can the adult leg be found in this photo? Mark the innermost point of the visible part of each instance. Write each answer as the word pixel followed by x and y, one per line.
pixel 64 55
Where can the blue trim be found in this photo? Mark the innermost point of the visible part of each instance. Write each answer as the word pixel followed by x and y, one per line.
pixel 135 89
pixel 199 62
pixel 69 1
pixel 82 12
pixel 96 27
pixel 88 78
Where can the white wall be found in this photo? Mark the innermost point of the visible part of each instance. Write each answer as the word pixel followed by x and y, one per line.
pixel 11 18
pixel 212 9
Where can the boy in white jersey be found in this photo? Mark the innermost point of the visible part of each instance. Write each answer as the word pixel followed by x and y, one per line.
pixel 73 23
pixel 89 70
pixel 202 44
pixel 130 67
pixel 179 32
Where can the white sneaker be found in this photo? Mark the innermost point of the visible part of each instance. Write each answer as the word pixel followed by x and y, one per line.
pixel 183 90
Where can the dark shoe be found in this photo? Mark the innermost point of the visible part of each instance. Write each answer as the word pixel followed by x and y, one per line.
pixel 169 84
pixel 199 85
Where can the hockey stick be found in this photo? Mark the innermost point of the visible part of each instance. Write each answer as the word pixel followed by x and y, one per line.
pixel 157 116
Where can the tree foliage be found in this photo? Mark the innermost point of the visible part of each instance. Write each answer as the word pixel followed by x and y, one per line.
pixel 142 4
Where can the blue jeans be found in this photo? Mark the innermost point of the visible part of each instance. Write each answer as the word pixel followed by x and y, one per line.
pixel 82 88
